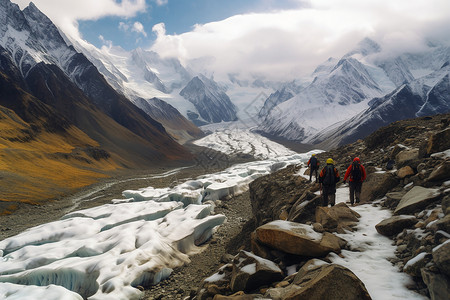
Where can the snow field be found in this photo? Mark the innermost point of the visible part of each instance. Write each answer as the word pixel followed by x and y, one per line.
pixel 370 253
pixel 235 140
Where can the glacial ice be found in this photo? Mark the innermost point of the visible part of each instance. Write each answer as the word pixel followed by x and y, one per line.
pixel 105 252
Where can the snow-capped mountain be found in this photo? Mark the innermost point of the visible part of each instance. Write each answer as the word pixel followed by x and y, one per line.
pixel 428 95
pixel 142 75
pixel 38 50
pixel 286 92
pixel 341 89
pixel 210 100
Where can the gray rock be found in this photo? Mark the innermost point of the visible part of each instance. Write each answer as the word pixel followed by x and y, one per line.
pixel 251 272
pixel 439 141
pixel 438 284
pixel 393 199
pixel 377 185
pixel 395 225
pixel 416 199
pixel 441 172
pixel 327 282
pixel 441 257
pixel 405 156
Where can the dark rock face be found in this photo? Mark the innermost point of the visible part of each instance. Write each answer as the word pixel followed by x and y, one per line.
pixel 210 100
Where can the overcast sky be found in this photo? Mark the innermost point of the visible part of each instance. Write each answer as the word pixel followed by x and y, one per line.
pixel 281 39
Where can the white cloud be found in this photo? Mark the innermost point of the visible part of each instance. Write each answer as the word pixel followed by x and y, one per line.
pixel 281 44
pixel 133 27
pixel 66 13
pixel 161 2
pixel 291 43
pixel 139 28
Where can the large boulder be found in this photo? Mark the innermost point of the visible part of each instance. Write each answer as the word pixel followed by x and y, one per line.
pixel 406 156
pixel 304 208
pixel 441 172
pixel 416 200
pixel 442 224
pixel 377 185
pixel 438 284
pixel 326 282
pixel 294 238
pixel 394 198
pixel 441 257
pixel 251 272
pixel 395 225
pixel 336 218
pixel 439 141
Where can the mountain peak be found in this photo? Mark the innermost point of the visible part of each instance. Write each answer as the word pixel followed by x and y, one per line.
pixel 365 47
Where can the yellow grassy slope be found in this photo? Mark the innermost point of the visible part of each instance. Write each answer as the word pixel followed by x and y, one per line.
pixel 34 168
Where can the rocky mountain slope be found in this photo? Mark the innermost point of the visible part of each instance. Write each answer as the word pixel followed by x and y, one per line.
pixel 149 77
pixel 408 173
pixel 210 100
pixel 54 96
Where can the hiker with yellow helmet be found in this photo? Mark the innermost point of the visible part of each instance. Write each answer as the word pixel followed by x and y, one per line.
pixel 328 178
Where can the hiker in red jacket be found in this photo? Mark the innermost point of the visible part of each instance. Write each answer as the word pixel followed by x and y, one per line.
pixel 356 174
pixel 313 164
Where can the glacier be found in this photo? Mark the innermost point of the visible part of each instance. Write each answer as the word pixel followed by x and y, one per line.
pixel 106 252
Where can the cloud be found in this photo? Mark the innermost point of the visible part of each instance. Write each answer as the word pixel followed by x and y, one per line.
pixel 67 12
pixel 133 27
pixel 161 2
pixel 139 28
pixel 292 43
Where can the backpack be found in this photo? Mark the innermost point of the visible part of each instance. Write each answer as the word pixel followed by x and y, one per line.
pixel 313 162
pixel 356 172
pixel 329 178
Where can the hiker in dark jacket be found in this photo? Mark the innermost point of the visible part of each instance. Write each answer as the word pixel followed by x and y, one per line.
pixel 356 173
pixel 313 164
pixel 328 178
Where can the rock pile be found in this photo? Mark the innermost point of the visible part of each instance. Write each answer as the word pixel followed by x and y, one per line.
pixel 408 166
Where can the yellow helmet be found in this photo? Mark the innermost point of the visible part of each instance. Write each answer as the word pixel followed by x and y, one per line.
pixel 330 161
pixel 313 154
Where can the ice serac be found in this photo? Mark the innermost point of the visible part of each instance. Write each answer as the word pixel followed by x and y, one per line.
pixel 210 100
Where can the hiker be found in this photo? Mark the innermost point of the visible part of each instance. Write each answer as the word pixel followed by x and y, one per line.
pixel 356 174
pixel 328 178
pixel 313 164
